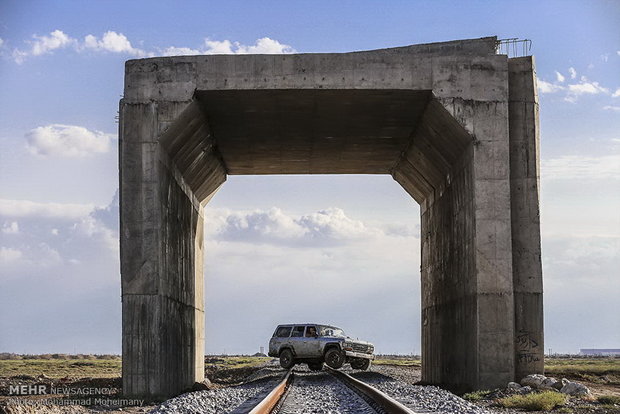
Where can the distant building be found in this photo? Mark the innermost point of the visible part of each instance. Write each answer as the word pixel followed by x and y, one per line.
pixel 601 352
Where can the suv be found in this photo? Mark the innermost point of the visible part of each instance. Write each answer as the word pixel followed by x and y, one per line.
pixel 315 344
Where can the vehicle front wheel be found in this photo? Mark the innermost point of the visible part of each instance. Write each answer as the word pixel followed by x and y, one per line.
pixel 317 366
pixel 286 359
pixel 360 363
pixel 334 358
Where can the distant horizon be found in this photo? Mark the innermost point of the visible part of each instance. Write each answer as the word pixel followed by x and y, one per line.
pixel 3 354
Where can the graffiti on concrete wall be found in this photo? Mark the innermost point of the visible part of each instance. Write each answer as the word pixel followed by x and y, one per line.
pixel 527 348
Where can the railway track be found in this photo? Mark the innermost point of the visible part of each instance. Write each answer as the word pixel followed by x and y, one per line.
pixel 327 391
pixel 270 390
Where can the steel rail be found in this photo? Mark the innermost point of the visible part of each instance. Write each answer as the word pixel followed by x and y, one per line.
pixel 268 403
pixel 384 401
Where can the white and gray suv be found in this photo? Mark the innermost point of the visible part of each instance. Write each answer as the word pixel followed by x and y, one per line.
pixel 315 344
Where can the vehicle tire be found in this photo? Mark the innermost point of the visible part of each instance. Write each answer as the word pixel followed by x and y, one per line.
pixel 360 363
pixel 334 358
pixel 286 359
pixel 316 366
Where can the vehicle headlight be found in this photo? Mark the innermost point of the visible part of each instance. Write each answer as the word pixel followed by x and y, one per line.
pixel 347 346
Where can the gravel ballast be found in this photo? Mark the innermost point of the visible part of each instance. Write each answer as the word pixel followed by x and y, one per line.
pixel 217 401
pixel 420 398
pixel 321 393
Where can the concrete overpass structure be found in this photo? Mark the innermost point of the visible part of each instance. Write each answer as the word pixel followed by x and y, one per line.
pixel 454 123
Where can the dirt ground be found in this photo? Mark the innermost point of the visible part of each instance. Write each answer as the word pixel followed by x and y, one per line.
pixel 104 394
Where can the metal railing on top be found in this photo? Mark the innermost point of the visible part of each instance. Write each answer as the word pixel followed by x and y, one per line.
pixel 513 47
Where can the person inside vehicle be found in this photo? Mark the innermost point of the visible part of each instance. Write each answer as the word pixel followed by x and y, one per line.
pixel 311 332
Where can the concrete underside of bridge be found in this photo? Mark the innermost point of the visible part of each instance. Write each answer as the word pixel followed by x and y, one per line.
pixel 454 123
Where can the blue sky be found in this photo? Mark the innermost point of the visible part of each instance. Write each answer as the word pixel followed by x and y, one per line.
pixel 61 76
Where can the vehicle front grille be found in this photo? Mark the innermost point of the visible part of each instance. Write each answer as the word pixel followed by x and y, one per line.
pixel 360 348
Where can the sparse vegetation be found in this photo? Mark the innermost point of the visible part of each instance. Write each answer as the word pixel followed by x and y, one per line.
pixel 609 399
pixel 226 362
pixel 596 370
pixel 60 368
pixel 543 401
pixel 404 361
pixel 476 395
pixel 99 366
pixel 230 370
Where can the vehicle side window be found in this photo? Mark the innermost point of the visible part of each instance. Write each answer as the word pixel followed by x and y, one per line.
pixel 283 331
pixel 311 332
pixel 298 331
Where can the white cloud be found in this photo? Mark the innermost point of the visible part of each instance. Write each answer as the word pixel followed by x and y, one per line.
pixel 594 249
pixel 56 40
pixel 548 87
pixel 46 255
pixel 115 42
pixel 102 223
pixel 180 51
pixel 263 45
pixel 325 227
pixel 334 224
pixel 216 47
pixel 44 44
pixel 581 167
pixel 616 94
pixel 1 43
pixel 92 228
pixel 586 87
pixel 112 42
pixel 612 108
pixel 10 228
pixel 25 208
pixel 573 90
pixel 50 234
pixel 574 258
pixel 40 254
pixel 572 72
pixel 67 141
pixel 8 255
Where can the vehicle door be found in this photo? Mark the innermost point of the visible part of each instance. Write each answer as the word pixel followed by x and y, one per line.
pixel 312 342
pixel 297 340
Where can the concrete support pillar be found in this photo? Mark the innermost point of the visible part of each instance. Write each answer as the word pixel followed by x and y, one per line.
pixel 461 180
pixel 450 305
pixel 493 247
pixel 161 248
pixel 524 191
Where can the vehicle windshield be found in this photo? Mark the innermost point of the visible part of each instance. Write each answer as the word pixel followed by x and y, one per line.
pixel 331 331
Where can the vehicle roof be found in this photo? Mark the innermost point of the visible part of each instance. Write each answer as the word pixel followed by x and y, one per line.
pixel 315 324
